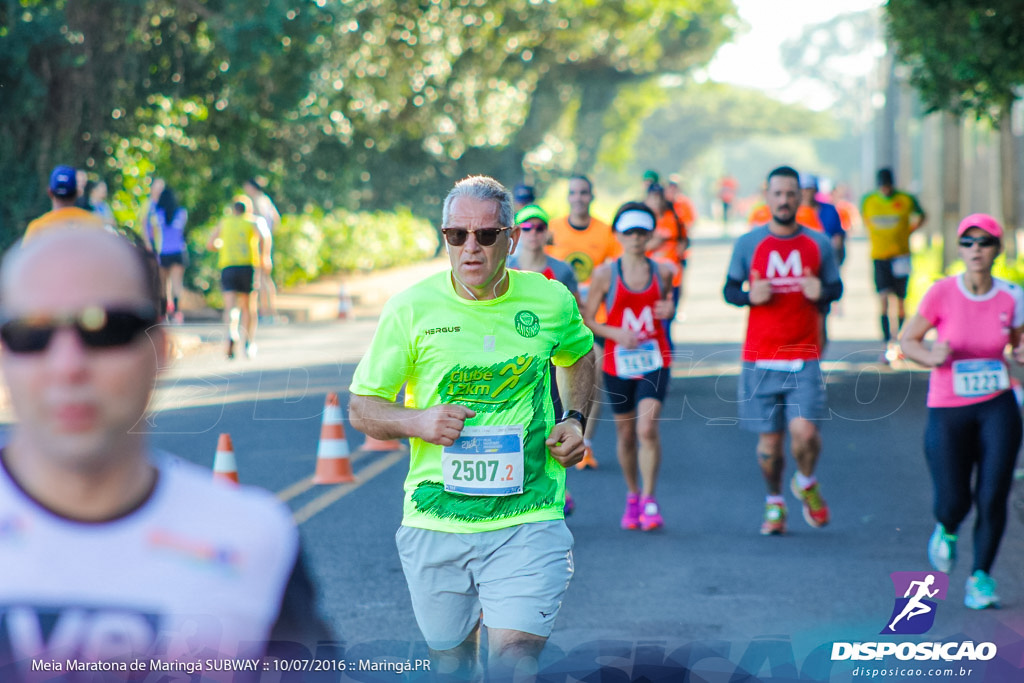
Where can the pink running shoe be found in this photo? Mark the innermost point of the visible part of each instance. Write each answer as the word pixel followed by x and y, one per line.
pixel 650 514
pixel 631 517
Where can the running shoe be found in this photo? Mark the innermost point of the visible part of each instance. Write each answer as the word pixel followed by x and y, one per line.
pixel 570 504
pixel 588 460
pixel 815 508
pixel 231 349
pixel 250 349
pixel 981 591
pixel 942 549
pixel 774 523
pixel 631 517
pixel 650 514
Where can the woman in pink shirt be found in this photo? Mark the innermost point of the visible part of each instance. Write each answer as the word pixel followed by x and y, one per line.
pixel 974 422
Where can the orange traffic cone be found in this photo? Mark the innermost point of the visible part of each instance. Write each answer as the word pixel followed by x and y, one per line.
pixel 377 446
pixel 224 466
pixel 332 463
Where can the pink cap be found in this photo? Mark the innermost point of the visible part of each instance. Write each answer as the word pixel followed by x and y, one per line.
pixel 983 221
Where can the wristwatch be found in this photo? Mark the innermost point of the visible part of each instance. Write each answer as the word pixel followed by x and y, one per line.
pixel 575 415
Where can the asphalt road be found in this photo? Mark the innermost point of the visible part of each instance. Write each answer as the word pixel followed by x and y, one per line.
pixel 708 577
pixel 707 594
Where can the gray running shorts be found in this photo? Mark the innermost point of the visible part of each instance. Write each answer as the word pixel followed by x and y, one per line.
pixel 770 399
pixel 517 576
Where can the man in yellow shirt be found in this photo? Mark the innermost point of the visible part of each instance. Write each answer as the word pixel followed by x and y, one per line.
pixel 63 192
pixel 239 240
pixel 890 216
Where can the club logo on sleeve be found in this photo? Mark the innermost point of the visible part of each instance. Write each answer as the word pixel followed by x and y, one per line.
pixel 527 324
pixel 914 610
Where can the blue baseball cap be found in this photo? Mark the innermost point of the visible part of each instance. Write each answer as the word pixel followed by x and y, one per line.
pixel 523 194
pixel 63 182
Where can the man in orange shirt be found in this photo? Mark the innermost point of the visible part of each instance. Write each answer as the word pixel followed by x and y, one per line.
pixel 727 189
pixel 584 242
pixel 63 192
pixel 579 239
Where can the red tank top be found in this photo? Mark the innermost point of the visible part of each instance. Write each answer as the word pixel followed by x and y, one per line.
pixel 635 310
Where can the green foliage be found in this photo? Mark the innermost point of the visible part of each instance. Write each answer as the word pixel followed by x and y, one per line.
pixel 927 268
pixel 964 55
pixel 695 117
pixel 837 55
pixel 355 103
pixel 310 245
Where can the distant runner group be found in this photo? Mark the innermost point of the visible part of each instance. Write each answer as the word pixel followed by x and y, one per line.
pixel 532 313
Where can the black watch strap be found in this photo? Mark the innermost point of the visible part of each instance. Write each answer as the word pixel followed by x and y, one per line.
pixel 575 415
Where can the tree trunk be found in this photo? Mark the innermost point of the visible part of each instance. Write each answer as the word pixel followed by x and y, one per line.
pixel 952 142
pixel 886 118
pixel 597 93
pixel 1008 182
pixel 931 175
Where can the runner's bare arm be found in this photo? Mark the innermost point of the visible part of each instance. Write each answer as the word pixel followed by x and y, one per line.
pixel 565 442
pixel 212 244
pixel 599 284
pixel 382 419
pixel 665 308
pixel 912 343
pixel 1017 344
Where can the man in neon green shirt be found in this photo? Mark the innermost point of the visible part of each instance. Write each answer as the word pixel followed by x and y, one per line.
pixel 483 528
pixel 239 240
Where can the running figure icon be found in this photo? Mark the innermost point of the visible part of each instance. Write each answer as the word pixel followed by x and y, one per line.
pixel 915 606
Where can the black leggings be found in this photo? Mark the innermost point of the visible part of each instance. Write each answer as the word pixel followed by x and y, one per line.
pixel 985 436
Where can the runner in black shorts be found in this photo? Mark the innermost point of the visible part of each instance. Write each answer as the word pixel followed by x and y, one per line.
pixel 637 293
pixel 239 240
pixel 178 258
pixel 237 279
pixel 888 282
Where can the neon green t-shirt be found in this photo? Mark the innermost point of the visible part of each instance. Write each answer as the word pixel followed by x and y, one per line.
pixel 493 357
pixel 239 242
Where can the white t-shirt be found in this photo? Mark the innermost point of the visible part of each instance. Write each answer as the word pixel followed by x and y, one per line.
pixel 198 570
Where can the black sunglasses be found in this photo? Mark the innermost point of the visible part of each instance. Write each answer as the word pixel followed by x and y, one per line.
pixel 633 232
pixel 98 328
pixel 485 237
pixel 526 227
pixel 983 241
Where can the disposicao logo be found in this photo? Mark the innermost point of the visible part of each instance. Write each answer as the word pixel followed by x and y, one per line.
pixel 914 612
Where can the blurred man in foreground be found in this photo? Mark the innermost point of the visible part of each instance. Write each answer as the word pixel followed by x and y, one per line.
pixel 108 551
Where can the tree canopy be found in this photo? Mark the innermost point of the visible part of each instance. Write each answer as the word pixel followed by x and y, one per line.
pixel 964 55
pixel 357 103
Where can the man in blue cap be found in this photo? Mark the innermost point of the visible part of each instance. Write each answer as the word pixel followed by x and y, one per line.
pixel 522 195
pixel 63 192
